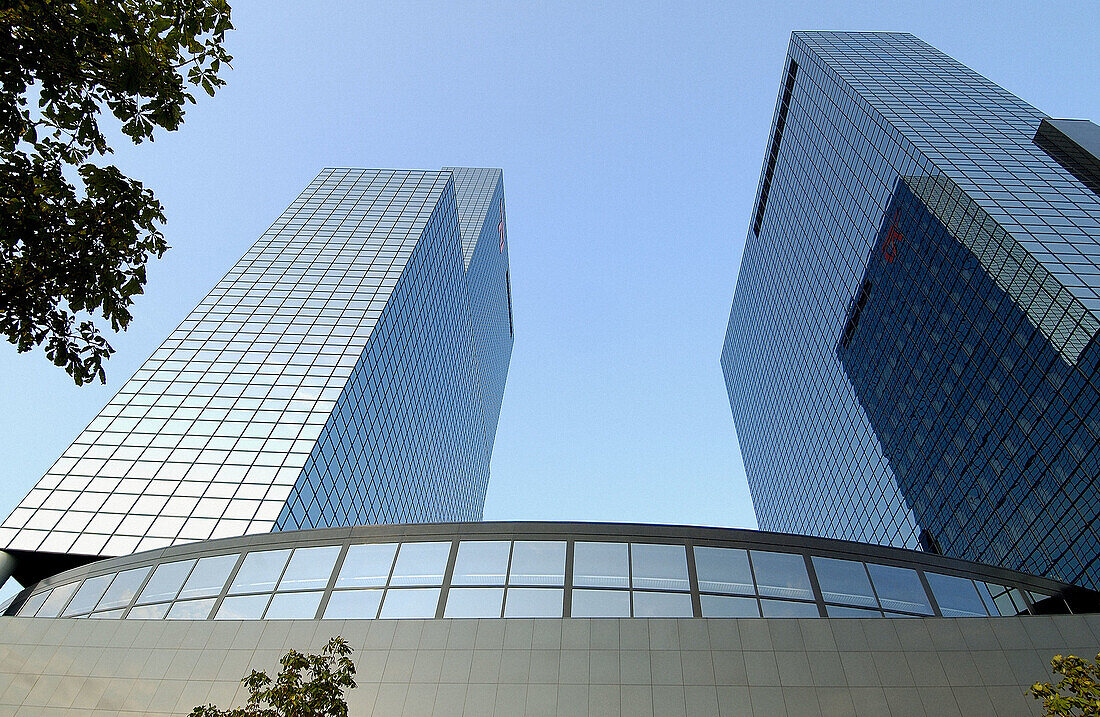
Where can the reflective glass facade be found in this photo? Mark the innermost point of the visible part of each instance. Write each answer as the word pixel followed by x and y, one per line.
pixel 348 369
pixel 910 356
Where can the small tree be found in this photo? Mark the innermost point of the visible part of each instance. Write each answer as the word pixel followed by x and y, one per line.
pixel 1078 692
pixel 317 693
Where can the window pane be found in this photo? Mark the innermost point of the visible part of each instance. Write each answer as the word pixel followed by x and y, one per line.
pixel 244 607
pixel 661 567
pixel 294 606
pixel 538 562
pixel 534 602
pixel 34 602
pixel 367 565
pixel 420 564
pixel 781 575
pixel 724 570
pixel 166 582
pixel 123 589
pixel 481 562
pixel 259 572
pixel 410 603
pixel 191 609
pixel 844 581
pixel 601 603
pixel 782 608
pixel 726 606
pixel 309 568
pixel 353 604
pixel 209 576
pixel 647 604
pixel 57 599
pixel 899 589
pixel 88 595
pixel 474 602
pixel 149 612
pixel 835 611
pixel 957 597
pixel 600 565
pixel 107 615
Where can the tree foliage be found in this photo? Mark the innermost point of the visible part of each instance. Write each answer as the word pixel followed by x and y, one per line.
pixel 308 686
pixel 75 236
pixel 1077 693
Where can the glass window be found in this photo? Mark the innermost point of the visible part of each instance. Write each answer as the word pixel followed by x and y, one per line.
pixel 259 572
pixel 34 602
pixel 601 603
pixel 729 606
pixel 600 565
pixel 837 611
pixel 660 567
pixel 844 581
pixel 474 602
pixel 88 595
pixel 107 615
pixel 410 602
pixel 123 589
pixel 653 604
pixel 784 608
pixel 191 609
pixel 899 589
pixel 57 599
pixel 538 562
pixel 294 606
pixel 781 575
pixel 166 582
pixel 149 612
pixel 367 565
pixel 420 564
pixel 353 604
pixel 209 576
pixel 481 562
pixel 724 570
pixel 957 597
pixel 309 568
pixel 534 602
pixel 242 607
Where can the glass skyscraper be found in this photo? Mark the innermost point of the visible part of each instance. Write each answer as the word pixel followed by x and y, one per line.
pixel 911 357
pixel 349 369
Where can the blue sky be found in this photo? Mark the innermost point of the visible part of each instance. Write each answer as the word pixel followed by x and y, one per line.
pixel 631 137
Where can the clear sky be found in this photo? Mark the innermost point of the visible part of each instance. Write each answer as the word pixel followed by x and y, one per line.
pixel 631 137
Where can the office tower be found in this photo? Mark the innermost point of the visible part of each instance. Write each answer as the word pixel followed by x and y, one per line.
pixel 911 354
pixel 349 369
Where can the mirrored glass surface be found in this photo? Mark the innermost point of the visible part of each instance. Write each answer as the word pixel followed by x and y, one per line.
pixel 34 602
pixel 107 615
pixel 88 595
pixel 353 604
pixel 844 581
pixel 781 575
pixel 783 608
pixel 846 611
pixel 409 603
pixel 420 564
pixel 123 588
pixel 899 589
pixel 209 576
pixel 190 609
pixel 294 606
pixel 259 572
pixel 481 562
pixel 166 582
pixel 474 602
pixel 724 570
pixel 309 568
pixel 660 567
pixel 601 565
pixel 242 607
pixel 601 603
pixel 655 604
pixel 538 562
pixel 957 597
pixel 534 602
pixel 149 612
pixel 367 565
pixel 57 599
pixel 728 606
